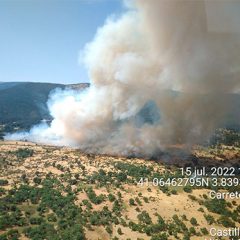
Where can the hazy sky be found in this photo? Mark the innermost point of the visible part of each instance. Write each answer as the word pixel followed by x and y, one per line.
pixel 40 40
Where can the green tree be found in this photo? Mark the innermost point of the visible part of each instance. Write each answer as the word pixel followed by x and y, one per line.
pixel 131 202
pixel 193 221
pixel 119 231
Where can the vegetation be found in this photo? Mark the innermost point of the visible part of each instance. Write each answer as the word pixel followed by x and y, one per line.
pixel 64 194
pixel 23 153
pixel 227 137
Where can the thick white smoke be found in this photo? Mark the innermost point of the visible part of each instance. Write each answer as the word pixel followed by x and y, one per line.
pixel 156 48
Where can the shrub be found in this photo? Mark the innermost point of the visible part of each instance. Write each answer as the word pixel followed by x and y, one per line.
pixel 201 209
pixel 37 180
pixel 13 234
pixel 161 236
pixel 144 218
pixel 193 221
pixel 119 231
pixel 184 217
pixel 111 197
pixel 24 153
pixel 192 231
pixel 226 222
pixel 109 230
pixel 3 182
pixel 93 197
pixel 187 189
pixel 36 220
pixel 2 191
pixel 3 236
pixel 217 206
pixel 174 192
pixel 131 202
pixel 51 217
pixel 145 199
pixel 204 231
pixel 205 196
pixel 210 219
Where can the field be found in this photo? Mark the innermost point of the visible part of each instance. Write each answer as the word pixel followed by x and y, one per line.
pixel 61 193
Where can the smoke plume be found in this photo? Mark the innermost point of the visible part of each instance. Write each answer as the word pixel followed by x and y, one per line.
pixel 159 74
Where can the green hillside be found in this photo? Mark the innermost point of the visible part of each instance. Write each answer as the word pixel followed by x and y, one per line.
pixel 24 104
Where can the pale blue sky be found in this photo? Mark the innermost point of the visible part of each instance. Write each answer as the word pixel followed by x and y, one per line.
pixel 40 40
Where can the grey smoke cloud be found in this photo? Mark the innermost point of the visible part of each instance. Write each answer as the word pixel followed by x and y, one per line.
pixel 154 49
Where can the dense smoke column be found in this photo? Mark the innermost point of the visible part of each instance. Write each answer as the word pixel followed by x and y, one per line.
pixel 160 52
